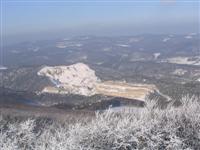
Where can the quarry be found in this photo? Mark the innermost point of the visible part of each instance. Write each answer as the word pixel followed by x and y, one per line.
pixel 81 79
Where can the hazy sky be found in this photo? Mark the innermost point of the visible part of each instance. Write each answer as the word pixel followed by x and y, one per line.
pixel 98 17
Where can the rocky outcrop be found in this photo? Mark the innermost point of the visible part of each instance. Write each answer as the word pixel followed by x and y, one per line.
pixel 75 79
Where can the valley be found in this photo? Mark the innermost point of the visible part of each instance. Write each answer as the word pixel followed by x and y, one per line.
pixel 90 72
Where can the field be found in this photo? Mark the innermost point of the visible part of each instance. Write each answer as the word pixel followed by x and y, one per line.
pixel 125 90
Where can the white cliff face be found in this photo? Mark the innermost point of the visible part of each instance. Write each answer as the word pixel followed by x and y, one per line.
pixel 74 79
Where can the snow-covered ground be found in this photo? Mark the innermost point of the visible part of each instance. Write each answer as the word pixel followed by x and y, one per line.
pixel 184 60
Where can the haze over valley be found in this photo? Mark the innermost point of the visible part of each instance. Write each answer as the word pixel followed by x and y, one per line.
pixel 56 67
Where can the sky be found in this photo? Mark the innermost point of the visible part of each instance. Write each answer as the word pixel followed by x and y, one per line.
pixel 46 18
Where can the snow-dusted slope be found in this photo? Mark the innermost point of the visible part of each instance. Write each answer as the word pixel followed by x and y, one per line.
pixel 75 79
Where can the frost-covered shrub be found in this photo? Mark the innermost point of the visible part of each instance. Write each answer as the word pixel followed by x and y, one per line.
pixel 148 128
pixel 18 136
pixel 173 128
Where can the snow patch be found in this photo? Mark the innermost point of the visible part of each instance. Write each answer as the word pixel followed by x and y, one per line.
pixel 123 45
pixel 3 68
pixel 61 45
pixel 131 40
pixel 166 39
pixel 107 49
pixel 188 37
pixel 65 44
pixel 179 72
pixel 184 60
pixel 156 55
pixel 36 49
pixel 15 51
pixel 99 63
pixel 192 34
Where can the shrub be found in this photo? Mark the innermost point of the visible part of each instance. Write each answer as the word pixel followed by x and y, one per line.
pixel 173 128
